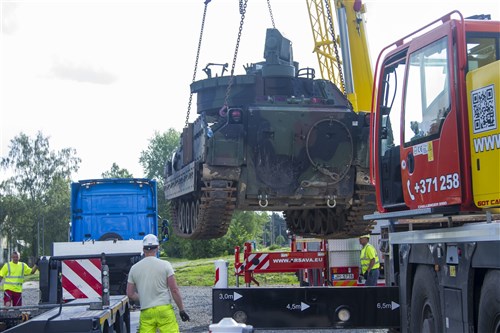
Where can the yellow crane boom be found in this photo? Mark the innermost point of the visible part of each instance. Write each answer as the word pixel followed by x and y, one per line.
pixel 351 70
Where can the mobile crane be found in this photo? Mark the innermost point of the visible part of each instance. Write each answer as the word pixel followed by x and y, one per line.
pixel 435 161
pixel 435 152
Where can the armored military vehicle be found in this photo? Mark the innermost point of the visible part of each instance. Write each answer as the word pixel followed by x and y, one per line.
pixel 273 139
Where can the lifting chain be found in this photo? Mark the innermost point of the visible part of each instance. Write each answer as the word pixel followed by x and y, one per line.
pixel 196 61
pixel 243 9
pixel 271 13
pixel 335 47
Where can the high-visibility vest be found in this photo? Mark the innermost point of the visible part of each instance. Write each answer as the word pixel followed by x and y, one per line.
pixel 15 276
pixel 365 261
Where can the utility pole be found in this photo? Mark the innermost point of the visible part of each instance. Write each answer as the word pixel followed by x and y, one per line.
pixel 272 229
pixel 43 235
pixel 38 236
pixel 279 227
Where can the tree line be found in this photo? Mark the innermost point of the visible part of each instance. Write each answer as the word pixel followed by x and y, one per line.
pixel 35 200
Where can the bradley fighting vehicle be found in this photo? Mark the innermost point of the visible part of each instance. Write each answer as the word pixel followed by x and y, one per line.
pixel 274 139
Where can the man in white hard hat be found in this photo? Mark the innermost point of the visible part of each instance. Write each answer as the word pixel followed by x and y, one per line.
pixel 149 282
pixel 369 261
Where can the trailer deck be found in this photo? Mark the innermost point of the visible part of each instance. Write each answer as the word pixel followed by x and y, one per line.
pixel 80 315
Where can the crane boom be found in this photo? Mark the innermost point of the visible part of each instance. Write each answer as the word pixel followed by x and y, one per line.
pixel 355 77
pixel 323 43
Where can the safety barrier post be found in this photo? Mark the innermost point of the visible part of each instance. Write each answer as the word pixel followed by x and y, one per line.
pixel 221 273
pixel 237 265
pixel 246 253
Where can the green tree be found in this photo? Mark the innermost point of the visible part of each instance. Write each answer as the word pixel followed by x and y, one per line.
pixel 160 148
pixel 245 226
pixel 38 188
pixel 55 223
pixel 116 172
pixel 12 210
pixel 280 240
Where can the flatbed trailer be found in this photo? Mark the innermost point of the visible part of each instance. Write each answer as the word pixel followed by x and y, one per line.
pixel 80 315
pixel 100 312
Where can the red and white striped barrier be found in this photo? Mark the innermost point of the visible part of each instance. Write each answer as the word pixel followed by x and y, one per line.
pixel 81 278
pixel 257 261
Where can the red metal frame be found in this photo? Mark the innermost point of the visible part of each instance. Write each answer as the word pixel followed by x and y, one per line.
pixel 277 262
pixel 291 262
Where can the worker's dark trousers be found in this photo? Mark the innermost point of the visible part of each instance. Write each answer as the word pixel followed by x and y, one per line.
pixel 372 277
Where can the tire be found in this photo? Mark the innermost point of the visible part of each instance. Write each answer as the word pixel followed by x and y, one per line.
pixel 126 321
pixel 106 328
pixel 122 323
pixel 425 305
pixel 489 304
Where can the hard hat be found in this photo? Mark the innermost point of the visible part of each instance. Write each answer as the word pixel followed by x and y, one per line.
pixel 150 241
pixel 365 236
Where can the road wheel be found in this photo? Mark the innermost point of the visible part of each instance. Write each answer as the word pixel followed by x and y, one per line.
pixel 425 306
pixel 489 304
pixel 106 328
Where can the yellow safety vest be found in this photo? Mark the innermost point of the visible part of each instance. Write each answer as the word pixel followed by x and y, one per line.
pixel 368 253
pixel 14 278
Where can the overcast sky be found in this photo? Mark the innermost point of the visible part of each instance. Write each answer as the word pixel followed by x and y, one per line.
pixel 103 76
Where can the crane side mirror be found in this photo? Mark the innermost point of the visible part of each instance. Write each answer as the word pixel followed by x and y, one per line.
pixel 164 233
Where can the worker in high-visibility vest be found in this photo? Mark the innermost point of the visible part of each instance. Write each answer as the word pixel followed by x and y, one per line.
pixel 369 261
pixel 12 274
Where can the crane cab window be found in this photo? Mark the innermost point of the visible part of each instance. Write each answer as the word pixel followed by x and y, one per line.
pixel 427 98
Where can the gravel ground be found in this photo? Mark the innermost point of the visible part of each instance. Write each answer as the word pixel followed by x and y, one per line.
pixel 198 304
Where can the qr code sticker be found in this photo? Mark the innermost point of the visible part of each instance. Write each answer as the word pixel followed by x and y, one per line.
pixel 483 109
